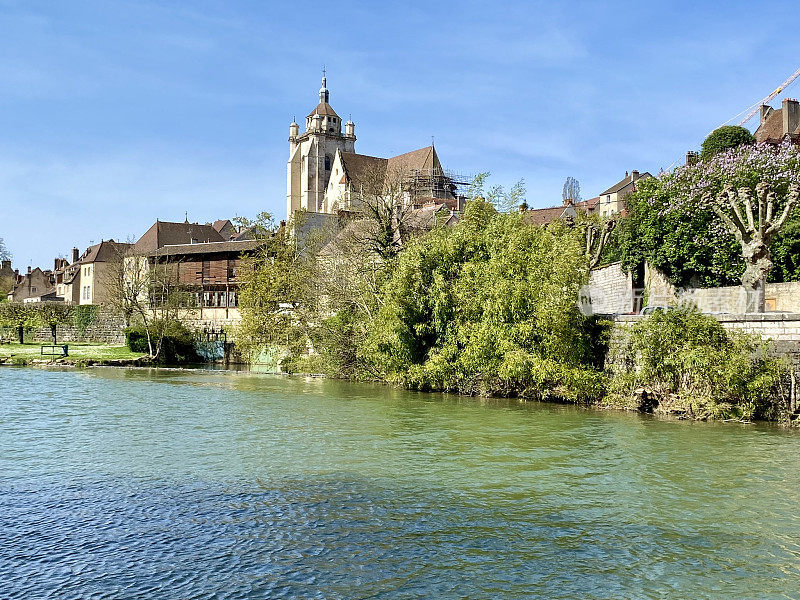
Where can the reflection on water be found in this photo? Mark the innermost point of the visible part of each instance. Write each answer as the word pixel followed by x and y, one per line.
pixel 173 484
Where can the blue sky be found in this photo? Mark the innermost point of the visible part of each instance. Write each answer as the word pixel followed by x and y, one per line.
pixel 113 114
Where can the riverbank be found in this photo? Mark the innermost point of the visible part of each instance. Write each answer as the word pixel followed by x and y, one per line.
pixel 80 354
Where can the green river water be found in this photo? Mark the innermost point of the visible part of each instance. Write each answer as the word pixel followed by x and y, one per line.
pixel 124 483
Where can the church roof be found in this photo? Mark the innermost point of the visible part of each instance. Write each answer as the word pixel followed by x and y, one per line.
pixel 323 109
pixel 361 169
pixel 416 160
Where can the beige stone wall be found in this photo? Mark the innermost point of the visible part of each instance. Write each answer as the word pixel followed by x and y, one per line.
pixel 779 327
pixel 212 319
pixel 660 292
pixel 610 290
pixel 780 297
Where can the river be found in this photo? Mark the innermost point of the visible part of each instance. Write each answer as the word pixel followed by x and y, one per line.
pixel 123 483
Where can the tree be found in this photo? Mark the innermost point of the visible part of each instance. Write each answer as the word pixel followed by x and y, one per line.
pixel 487 306
pixel 724 138
pixel 6 281
pixel 276 287
pixel 571 190
pixel 597 235
pixel 52 314
pixel 503 200
pixel 146 289
pixel 752 189
pixel 688 244
pixel 755 232
pixel 785 250
pixel 19 316
pixel 380 198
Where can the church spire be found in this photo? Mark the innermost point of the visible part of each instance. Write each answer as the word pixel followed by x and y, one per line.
pixel 324 95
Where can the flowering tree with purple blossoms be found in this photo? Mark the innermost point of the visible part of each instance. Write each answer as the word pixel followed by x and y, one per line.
pixel 753 190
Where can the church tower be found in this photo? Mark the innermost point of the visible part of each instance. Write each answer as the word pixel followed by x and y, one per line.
pixel 311 155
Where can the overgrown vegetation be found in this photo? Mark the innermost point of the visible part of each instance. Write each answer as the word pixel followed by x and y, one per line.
pixel 177 343
pixel 693 224
pixel 693 366
pixel 83 316
pixel 489 306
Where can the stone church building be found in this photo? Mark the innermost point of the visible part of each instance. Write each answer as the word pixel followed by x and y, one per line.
pixel 324 171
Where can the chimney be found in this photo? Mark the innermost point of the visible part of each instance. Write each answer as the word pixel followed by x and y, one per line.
pixel 75 255
pixel 691 157
pixel 634 176
pixel 6 264
pixel 29 270
pixel 791 115
pixel 765 112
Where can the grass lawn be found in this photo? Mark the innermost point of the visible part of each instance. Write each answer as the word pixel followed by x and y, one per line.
pixel 76 350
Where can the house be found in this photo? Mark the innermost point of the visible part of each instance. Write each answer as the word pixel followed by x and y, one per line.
pixel 8 277
pixel 164 233
pixel 35 286
pixel 612 201
pixel 89 277
pixel 209 271
pixel 569 209
pixel 779 124
pixel 205 261
pixel 324 172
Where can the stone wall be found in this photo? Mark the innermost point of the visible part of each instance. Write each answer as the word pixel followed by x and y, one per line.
pixel 212 319
pixel 784 297
pixel 610 290
pixel 106 328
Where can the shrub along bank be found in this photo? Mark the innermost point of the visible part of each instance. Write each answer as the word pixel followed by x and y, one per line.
pixel 686 363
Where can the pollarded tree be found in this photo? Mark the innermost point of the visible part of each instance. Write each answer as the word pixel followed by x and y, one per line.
pixel 754 232
pixel 753 190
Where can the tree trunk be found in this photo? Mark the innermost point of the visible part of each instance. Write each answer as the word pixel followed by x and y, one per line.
pixel 21 334
pixel 754 301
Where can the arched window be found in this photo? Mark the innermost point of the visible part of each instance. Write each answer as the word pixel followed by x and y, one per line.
pixel 328 163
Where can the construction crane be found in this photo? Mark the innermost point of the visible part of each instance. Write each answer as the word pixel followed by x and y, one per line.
pixel 750 111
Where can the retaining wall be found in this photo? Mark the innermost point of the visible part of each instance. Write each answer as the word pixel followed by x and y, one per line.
pixel 106 328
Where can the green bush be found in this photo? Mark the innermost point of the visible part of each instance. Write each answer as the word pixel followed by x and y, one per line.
pixel 725 138
pixel 691 358
pixel 489 307
pixel 177 341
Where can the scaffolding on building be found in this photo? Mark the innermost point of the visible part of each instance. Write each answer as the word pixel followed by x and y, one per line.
pixel 437 184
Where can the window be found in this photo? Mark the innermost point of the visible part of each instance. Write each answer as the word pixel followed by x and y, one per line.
pixel 328 162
